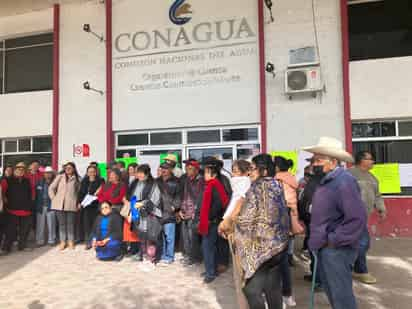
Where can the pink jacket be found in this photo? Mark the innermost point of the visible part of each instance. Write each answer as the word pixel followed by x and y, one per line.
pixel 290 185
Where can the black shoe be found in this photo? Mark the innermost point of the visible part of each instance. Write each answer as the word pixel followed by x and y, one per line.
pixel 118 258
pixel 25 248
pixel 208 280
pixel 318 288
pixel 88 247
pixel 188 263
pixel 203 274
pixel 291 261
pixel 5 252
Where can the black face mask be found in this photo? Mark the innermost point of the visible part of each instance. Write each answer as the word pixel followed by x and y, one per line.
pixel 318 171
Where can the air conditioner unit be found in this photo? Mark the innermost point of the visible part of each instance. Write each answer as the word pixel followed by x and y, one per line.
pixel 304 79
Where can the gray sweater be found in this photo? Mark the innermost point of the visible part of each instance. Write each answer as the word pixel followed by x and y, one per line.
pixel 369 186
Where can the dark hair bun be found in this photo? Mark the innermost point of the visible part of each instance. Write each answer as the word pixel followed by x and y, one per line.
pixel 283 164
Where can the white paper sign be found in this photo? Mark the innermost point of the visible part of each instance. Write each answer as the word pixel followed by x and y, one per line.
pixel 153 161
pixel 88 200
pixel 405 172
pixel 302 163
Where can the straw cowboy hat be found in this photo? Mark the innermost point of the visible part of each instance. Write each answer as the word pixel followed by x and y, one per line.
pixel 171 157
pixel 331 147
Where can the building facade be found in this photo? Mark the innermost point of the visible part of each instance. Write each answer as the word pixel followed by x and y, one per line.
pixel 190 77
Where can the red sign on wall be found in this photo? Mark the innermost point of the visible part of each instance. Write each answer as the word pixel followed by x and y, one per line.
pixel 81 150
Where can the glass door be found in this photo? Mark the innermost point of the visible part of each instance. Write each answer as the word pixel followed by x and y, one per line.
pixel 151 156
pixel 225 153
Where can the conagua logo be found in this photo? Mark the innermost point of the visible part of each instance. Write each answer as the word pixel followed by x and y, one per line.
pixel 178 12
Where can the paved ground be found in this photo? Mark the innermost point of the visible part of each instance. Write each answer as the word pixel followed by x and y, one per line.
pixel 48 279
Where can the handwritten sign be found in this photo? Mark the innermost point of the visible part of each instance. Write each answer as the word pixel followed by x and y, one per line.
pixel 289 155
pixel 388 176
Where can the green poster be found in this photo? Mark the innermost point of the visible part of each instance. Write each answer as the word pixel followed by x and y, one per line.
pixel 102 170
pixel 388 176
pixel 289 155
pixel 164 155
pixel 127 161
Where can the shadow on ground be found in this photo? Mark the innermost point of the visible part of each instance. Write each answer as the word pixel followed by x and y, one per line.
pixel 19 259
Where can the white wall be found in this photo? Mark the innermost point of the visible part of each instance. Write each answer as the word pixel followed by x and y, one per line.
pixel 82 57
pixel 15 7
pixel 33 109
pixel 301 121
pixel 381 88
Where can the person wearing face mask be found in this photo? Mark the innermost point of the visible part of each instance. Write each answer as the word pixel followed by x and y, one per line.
pixel 259 249
pixel 337 223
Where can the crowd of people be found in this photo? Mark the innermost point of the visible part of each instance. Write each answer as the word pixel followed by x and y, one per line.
pixel 249 219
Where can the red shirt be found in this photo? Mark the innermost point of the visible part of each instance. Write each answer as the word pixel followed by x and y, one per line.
pixel 34 179
pixel 107 194
pixel 19 213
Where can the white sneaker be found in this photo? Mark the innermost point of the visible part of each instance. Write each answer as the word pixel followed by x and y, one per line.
pixel 164 263
pixel 289 301
pixel 284 305
pixel 147 266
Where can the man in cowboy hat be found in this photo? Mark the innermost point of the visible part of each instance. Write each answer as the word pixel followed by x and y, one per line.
pixel 372 198
pixel 17 191
pixel 338 220
pixel 171 159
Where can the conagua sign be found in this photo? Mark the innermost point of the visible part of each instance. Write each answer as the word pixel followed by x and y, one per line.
pixel 203 33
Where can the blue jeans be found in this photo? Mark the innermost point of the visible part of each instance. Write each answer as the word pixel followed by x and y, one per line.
pixel 209 249
pixel 168 252
pixel 336 274
pixel 361 266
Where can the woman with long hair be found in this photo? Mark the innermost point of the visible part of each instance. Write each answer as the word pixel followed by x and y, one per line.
pixel 290 187
pixel 213 203
pixel 113 191
pixel 240 184
pixel 89 186
pixel 147 194
pixel 63 193
pixel 261 232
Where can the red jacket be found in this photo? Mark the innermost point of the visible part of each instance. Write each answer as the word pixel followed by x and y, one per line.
pixel 107 194
pixel 34 179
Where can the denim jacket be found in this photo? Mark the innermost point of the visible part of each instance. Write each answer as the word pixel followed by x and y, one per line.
pixel 42 188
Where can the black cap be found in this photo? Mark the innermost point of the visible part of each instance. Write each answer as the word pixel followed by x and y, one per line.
pixel 212 161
